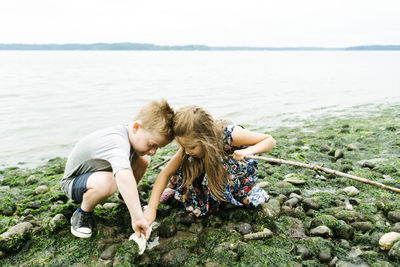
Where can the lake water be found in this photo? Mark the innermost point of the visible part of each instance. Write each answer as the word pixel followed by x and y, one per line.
pixel 49 99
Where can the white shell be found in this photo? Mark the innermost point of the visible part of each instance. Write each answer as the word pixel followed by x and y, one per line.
pixel 387 241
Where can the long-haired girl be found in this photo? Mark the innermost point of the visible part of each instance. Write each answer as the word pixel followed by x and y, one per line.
pixel 211 165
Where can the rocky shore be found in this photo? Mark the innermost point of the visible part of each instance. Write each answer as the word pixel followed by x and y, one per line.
pixel 312 219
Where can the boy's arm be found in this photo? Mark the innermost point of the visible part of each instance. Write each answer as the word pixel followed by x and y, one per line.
pixel 256 142
pixel 126 184
pixel 160 184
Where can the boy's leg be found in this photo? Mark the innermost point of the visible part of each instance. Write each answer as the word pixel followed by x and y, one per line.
pixel 140 166
pixel 89 189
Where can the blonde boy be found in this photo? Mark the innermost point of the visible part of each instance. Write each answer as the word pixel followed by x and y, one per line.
pixel 115 158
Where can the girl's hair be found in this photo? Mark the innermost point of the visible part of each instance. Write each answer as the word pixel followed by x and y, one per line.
pixel 197 124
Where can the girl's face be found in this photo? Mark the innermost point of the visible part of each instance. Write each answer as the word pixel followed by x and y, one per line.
pixel 191 146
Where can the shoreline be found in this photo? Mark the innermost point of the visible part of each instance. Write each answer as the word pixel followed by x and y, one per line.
pixel 324 219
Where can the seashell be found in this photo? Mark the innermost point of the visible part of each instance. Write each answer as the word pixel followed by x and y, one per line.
pixel 387 241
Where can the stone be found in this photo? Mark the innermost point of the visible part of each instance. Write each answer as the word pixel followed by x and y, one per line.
pixel 394 252
pixel 354 201
pixel 243 228
pixel 265 234
pixel 186 218
pixel 351 147
pixel 395 227
pixel 263 184
pixel 42 189
pixel 344 231
pixel 169 257
pixel 325 255
pixel 338 154
pixel 57 222
pixel 292 202
pixel 109 252
pixel 394 216
pixel 370 163
pixel 167 228
pixel 20 228
pixel 324 148
pixel 311 203
pixel 109 205
pixel 292 195
pixel 351 191
pixel 196 228
pixel 294 181
pixel 321 230
pixel 271 209
pixel 303 252
pixel 363 226
pixel 387 241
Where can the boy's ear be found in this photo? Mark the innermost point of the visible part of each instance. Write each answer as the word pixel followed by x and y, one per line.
pixel 136 126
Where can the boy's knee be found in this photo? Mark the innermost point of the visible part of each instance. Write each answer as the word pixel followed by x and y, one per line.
pixel 104 183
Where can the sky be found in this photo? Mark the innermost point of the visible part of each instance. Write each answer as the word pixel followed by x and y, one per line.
pixel 268 23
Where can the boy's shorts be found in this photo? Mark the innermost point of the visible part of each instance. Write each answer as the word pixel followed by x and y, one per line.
pixel 79 187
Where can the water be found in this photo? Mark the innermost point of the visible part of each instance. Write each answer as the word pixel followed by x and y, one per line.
pixel 49 99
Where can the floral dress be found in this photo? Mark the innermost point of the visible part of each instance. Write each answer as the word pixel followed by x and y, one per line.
pixel 239 191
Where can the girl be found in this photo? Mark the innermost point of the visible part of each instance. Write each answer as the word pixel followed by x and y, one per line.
pixel 211 165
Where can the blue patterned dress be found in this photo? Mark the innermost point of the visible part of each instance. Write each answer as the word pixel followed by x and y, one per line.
pixel 239 191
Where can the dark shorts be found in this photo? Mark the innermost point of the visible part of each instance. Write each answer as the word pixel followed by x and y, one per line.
pixel 79 187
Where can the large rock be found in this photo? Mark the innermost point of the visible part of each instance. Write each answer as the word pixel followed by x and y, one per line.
pixel 394 216
pixel 311 203
pixel 41 190
pixel 394 252
pixel 321 230
pixel 271 209
pixel 57 222
pixel 387 241
pixel 266 233
pixel 14 238
pixel 351 191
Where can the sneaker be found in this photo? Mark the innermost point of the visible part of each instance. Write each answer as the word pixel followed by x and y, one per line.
pixel 81 225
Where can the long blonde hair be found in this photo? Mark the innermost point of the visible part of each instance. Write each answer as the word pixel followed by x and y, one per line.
pixel 198 124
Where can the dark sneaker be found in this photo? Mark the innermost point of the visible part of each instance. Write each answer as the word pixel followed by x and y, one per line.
pixel 81 225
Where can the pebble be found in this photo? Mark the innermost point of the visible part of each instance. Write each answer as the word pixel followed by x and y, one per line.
pixel 351 191
pixel 321 230
pixel 57 221
pixel 325 256
pixel 109 253
pixel 303 252
pixel 41 190
pixel 351 147
pixel 363 226
pixel 266 233
pixel 110 205
pixel 338 154
pixel 387 240
pixel 311 203
pixel 243 228
pixel 394 216
pixel 292 202
pixel 292 195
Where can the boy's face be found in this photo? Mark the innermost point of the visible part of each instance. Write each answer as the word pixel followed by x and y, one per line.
pixel 145 142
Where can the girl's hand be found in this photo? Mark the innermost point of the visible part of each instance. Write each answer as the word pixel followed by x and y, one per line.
pixel 240 154
pixel 150 215
pixel 141 226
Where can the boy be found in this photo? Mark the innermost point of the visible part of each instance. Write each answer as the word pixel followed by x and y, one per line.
pixel 115 158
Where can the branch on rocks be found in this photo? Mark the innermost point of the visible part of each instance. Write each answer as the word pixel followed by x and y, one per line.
pixel 317 168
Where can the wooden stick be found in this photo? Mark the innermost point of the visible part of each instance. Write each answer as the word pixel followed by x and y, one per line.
pixel 326 170
pixel 160 164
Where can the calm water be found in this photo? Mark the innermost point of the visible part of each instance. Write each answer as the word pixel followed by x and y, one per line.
pixel 49 99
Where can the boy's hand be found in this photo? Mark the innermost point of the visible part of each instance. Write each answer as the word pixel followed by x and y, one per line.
pixel 141 226
pixel 150 215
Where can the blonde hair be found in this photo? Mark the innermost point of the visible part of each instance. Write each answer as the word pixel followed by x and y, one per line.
pixel 198 124
pixel 157 116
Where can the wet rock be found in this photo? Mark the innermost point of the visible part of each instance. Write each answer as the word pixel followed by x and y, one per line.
pixel 370 163
pixel 196 228
pixel 321 230
pixel 294 180
pixel 126 253
pixel 394 216
pixel 109 253
pixel 292 202
pixel 395 227
pixel 265 234
pixel 186 218
pixel 355 201
pixel 109 231
pixel 303 252
pixel 325 255
pixel 243 228
pixel 281 198
pixel 57 222
pixel 167 228
pixel 351 147
pixel 363 226
pixel 311 203
pixel 31 180
pixel 215 221
pixel 174 257
pixel 41 190
pixel 350 216
pixel 263 184
pixel 388 240
pixel 296 229
pixel 270 209
pixel 13 239
pixel 394 252
pixel 338 154
pixel 223 247
pixel 344 231
pixel 8 210
pixel 35 205
pixel 109 205
pixel 351 191
pixel 324 148
pixel 294 195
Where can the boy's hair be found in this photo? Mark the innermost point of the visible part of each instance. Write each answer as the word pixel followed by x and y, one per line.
pixel 197 124
pixel 157 116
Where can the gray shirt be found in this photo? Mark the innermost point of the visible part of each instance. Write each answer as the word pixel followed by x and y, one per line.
pixel 104 150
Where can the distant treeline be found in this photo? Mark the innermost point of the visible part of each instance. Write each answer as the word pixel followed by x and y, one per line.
pixel 139 46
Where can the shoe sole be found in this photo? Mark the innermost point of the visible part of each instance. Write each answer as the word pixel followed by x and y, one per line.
pixel 79 234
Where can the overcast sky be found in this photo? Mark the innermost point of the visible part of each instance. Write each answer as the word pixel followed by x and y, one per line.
pixel 333 23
